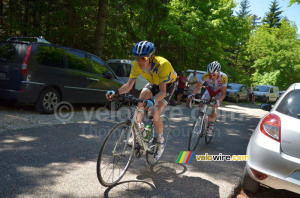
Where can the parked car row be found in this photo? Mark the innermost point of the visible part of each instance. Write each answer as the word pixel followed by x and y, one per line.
pixel 263 93
pixel 40 73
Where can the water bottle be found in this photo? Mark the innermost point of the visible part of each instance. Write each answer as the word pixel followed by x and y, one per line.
pixel 141 127
pixel 147 132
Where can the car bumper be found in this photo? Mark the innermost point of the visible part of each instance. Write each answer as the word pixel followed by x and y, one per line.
pixel 266 157
pixel 229 97
pixel 28 93
pixel 260 98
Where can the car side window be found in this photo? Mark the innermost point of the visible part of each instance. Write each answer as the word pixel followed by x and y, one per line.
pixel 290 104
pixel 243 89
pixel 77 60
pixel 271 90
pixel 50 56
pixel 98 66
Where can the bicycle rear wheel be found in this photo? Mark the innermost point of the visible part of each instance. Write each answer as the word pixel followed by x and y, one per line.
pixel 196 133
pixel 115 154
pixel 151 157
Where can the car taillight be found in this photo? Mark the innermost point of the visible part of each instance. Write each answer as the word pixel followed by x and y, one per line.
pixel 258 174
pixel 25 62
pixel 271 126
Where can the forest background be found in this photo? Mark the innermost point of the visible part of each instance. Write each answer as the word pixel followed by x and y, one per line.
pixel 189 33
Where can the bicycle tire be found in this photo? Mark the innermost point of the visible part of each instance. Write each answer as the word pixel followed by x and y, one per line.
pixel 150 155
pixel 192 133
pixel 120 144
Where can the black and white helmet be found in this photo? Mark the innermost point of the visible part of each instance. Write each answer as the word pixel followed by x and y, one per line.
pixel 214 67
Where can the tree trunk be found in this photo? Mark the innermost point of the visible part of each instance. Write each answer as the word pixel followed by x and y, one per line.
pixel 1 14
pixel 37 18
pixel 25 30
pixel 71 23
pixel 10 18
pixel 101 24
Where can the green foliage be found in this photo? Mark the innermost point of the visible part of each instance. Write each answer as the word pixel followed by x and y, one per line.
pixel 276 53
pixel 244 9
pixel 189 33
pixel 294 1
pixel 273 16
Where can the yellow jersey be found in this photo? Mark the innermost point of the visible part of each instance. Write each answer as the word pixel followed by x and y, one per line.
pixel 160 71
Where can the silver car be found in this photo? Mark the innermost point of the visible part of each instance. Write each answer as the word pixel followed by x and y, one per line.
pixel 274 147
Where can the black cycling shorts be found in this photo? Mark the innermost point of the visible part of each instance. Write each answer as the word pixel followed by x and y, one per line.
pixel 154 89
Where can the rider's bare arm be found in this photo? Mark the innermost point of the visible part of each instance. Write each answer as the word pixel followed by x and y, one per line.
pixel 223 94
pixel 196 89
pixel 162 91
pixel 127 87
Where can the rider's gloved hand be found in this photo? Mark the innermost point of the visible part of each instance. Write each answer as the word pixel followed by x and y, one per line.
pixel 112 93
pixel 191 97
pixel 217 103
pixel 149 103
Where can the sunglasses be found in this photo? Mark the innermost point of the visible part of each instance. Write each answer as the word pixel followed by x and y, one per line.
pixel 142 58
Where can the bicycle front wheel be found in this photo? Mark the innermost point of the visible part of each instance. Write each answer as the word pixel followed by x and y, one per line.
pixel 115 154
pixel 196 133
pixel 151 155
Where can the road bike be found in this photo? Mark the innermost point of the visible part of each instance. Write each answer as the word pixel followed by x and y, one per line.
pixel 200 126
pixel 116 153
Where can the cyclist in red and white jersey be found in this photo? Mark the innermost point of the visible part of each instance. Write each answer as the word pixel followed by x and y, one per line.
pixel 217 86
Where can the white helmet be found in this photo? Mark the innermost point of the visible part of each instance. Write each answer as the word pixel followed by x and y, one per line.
pixel 214 67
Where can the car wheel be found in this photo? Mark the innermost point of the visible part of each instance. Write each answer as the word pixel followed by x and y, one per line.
pixel 237 98
pixel 114 105
pixel 47 101
pixel 248 183
pixel 267 100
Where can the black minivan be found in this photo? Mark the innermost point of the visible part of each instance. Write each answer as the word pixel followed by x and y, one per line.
pixel 44 74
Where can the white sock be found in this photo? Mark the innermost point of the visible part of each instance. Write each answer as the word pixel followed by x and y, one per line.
pixel 160 138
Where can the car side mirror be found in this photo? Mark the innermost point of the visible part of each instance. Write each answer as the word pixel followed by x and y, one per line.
pixel 266 107
pixel 108 75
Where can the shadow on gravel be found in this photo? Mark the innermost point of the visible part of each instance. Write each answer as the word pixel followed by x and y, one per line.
pixel 34 158
pixel 164 180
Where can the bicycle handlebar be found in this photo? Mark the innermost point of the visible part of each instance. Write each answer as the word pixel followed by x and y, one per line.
pixel 204 101
pixel 129 98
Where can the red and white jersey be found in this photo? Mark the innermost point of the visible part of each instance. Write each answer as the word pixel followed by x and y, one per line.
pixel 216 85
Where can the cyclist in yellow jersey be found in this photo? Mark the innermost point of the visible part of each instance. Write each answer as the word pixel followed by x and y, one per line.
pixel 217 86
pixel 161 76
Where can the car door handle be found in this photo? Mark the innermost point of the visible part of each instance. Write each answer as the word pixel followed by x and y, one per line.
pixel 93 79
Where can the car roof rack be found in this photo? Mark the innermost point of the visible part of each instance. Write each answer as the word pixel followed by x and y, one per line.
pixel 29 39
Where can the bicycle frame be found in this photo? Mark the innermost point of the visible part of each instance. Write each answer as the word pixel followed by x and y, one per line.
pixel 134 127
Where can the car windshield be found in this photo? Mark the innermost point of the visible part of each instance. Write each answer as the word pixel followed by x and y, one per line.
pixel 120 69
pixel 290 104
pixel 261 89
pixel 233 86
